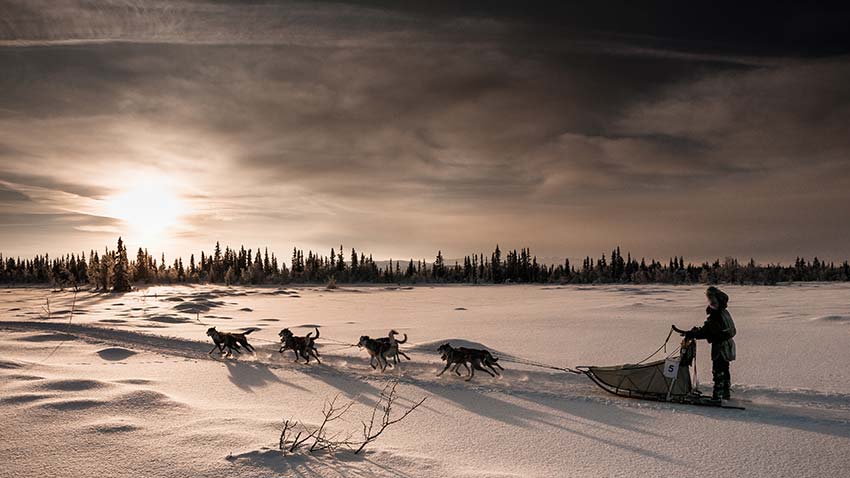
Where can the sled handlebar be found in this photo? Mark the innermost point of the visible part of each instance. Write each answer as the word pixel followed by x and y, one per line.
pixel 679 331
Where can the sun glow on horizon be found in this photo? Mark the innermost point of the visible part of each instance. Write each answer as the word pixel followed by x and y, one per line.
pixel 149 209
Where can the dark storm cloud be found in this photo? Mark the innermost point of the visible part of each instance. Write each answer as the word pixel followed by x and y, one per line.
pixel 397 125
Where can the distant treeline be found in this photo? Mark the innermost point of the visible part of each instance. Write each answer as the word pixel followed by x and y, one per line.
pixel 114 270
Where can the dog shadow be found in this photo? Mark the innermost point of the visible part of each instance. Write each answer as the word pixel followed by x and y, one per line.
pixel 250 375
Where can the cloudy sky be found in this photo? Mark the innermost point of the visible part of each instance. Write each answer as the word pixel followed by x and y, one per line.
pixel 403 127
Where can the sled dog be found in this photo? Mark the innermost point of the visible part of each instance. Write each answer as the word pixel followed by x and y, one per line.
pixel 229 340
pixel 300 346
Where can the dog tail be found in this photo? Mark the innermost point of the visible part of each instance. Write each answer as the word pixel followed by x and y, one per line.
pixel 317 333
pixel 249 330
pixel 393 332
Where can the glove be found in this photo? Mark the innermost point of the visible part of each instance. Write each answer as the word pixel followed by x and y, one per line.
pixel 691 333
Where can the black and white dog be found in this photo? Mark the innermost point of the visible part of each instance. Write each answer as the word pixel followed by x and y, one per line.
pixel 300 346
pixel 393 350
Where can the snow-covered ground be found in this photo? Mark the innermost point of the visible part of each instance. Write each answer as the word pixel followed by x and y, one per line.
pixel 127 388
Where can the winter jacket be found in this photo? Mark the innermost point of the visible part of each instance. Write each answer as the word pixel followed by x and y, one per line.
pixel 718 330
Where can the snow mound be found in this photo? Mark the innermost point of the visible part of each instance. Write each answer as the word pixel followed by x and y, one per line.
pixel 278 292
pixel 22 398
pixel 23 377
pixel 72 385
pixel 147 401
pixel 115 353
pixel 49 337
pixel 10 364
pixel 72 405
pixel 432 346
pixel 113 427
pixel 168 319
pixel 197 306
pixel 135 381
pixel 832 318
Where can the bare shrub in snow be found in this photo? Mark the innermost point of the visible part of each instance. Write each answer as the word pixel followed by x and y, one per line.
pixel 373 429
pixel 295 435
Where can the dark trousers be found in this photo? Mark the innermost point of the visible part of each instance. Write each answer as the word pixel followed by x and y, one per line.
pixel 722 378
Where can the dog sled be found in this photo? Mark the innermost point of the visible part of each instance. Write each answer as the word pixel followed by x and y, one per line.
pixel 671 379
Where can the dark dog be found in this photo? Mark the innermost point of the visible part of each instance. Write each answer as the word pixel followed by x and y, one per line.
pixel 463 356
pixel 230 341
pixel 300 346
pixel 485 358
pixel 454 357
pixel 392 346
pixel 377 351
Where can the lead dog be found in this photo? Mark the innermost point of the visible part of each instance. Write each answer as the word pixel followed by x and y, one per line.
pixel 229 340
pixel 377 349
pixel 300 346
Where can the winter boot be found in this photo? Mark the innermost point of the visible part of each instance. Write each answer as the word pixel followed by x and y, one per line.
pixel 717 392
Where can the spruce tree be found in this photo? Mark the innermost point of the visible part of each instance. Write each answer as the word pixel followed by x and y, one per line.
pixel 121 269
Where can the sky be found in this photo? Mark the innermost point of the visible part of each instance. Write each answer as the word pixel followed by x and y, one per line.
pixel 404 127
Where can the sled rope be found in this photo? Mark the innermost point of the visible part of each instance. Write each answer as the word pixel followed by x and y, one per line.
pixel 335 349
pixel 532 363
pixel 338 342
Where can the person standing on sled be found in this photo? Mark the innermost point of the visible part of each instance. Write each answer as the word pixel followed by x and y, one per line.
pixel 718 330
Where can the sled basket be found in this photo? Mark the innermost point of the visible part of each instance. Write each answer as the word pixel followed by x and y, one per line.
pixel 645 381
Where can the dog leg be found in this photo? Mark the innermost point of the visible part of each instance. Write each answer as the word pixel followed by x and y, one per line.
pixel 471 372
pixel 477 365
pixel 215 346
pixel 448 364
pixel 404 355
pixel 316 355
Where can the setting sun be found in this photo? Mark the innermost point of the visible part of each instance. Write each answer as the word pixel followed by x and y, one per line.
pixel 148 208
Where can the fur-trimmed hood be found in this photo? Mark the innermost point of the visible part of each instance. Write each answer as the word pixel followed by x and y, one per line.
pixel 721 297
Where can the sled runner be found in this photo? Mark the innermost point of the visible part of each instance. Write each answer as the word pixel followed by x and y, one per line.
pixel 672 379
